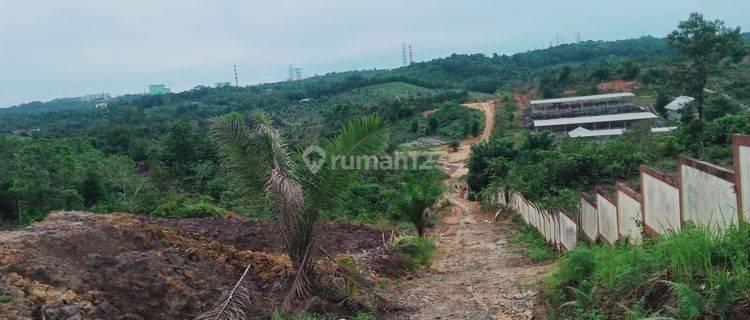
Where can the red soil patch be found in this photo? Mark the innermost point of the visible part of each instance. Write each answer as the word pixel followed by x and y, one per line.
pixel 429 112
pixel 618 85
pixel 264 236
pixel 77 265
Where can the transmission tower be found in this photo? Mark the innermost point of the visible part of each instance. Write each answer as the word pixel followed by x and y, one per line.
pixel 403 54
pixel 236 79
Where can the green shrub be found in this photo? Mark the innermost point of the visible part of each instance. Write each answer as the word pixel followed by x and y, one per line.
pixel 412 251
pixel 704 273
pixel 536 246
pixel 364 316
pixel 182 207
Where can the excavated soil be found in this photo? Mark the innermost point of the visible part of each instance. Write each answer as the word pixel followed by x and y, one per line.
pixel 77 265
pixel 618 85
pixel 264 236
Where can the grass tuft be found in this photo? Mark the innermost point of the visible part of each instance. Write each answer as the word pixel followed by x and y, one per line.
pixel 697 273
pixel 413 252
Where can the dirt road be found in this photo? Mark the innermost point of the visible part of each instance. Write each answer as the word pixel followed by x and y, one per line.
pixel 462 155
pixel 475 274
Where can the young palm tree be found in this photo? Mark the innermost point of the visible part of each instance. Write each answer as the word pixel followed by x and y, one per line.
pixel 421 191
pixel 276 180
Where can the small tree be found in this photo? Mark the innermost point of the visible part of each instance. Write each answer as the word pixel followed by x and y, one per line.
pixel 706 43
pixel 420 192
pixel 631 70
pixel 454 144
pixel 432 125
pixel 415 125
pixel 661 101
pixel 474 126
pixel 276 181
pixel 601 72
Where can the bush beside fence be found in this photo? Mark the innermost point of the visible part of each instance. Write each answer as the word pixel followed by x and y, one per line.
pixel 703 193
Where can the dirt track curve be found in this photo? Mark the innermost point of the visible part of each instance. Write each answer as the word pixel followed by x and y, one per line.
pixel 475 274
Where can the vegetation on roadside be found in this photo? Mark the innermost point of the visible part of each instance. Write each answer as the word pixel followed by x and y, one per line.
pixel 413 252
pixel 536 247
pixel 420 193
pixel 697 273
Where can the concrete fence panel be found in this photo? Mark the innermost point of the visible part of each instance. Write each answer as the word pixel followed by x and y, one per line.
pixel 539 221
pixel 556 228
pixel 568 230
pixel 661 202
pixel 741 145
pixel 551 228
pixel 501 197
pixel 707 193
pixel 545 226
pixel 629 213
pixel 607 217
pixel 589 223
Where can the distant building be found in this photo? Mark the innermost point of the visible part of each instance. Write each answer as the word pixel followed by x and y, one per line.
pixel 674 108
pixel 594 101
pixel 608 121
pixel 586 133
pixel 606 133
pixel 102 105
pixel 222 84
pixel 96 97
pixel 595 116
pixel 158 89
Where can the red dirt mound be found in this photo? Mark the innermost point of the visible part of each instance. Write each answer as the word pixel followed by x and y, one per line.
pixel 77 265
pixel 618 85
pixel 264 236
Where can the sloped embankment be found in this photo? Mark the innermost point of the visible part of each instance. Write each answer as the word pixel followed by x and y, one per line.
pixel 119 266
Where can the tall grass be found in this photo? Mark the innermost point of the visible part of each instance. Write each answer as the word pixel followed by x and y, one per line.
pixel 536 246
pixel 697 273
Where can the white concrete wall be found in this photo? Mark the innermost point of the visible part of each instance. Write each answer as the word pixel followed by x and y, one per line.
pixel 568 232
pixel 607 219
pixel 629 217
pixel 545 226
pixel 707 199
pixel 661 204
pixel 589 223
pixel 557 230
pixel 743 176
pixel 501 198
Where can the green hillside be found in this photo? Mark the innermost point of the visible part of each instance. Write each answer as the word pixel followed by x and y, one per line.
pixel 161 143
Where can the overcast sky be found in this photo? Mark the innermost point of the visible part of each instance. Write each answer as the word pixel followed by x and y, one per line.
pixel 52 49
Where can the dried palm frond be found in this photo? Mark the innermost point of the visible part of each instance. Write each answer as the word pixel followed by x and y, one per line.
pixel 300 286
pixel 232 305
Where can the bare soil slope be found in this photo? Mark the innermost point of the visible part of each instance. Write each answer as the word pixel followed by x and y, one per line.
pixel 77 265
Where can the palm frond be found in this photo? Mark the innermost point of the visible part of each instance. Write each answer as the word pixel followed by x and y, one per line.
pixel 276 143
pixel 246 156
pixel 301 285
pixel 364 136
pixel 232 305
pixel 691 305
